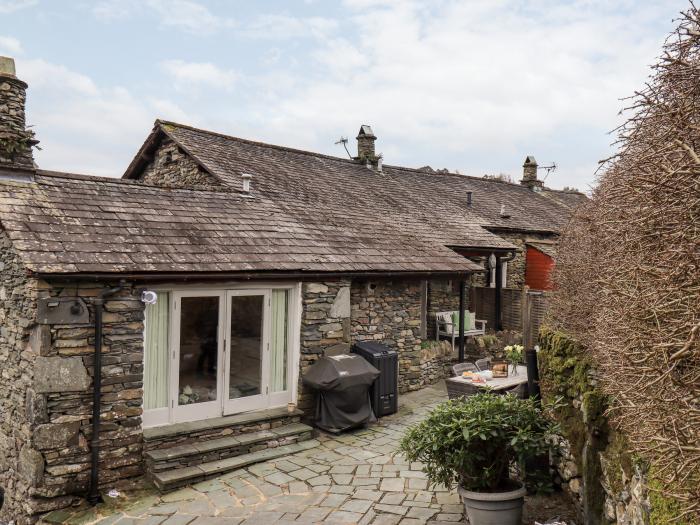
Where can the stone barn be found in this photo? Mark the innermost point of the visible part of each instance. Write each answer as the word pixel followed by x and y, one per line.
pixel 200 285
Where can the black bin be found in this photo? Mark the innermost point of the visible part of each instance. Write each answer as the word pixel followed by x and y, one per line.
pixel 385 390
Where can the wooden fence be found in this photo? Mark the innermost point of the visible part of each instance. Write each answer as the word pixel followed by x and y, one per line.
pixel 522 310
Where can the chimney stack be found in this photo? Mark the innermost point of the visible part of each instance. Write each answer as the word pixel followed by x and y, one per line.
pixel 365 144
pixel 530 174
pixel 16 141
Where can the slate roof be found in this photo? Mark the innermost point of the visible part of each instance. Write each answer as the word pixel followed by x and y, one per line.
pixel 307 213
pixel 64 223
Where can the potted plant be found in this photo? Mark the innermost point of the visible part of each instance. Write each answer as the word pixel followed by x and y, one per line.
pixel 474 442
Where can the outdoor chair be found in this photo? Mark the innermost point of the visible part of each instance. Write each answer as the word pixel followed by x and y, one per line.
pixel 463 367
pixel 483 364
pixel 445 327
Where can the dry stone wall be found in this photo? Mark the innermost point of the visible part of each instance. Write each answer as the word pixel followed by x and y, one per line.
pixel 325 323
pixel 65 437
pixel 15 139
pixel 47 393
pixel 21 465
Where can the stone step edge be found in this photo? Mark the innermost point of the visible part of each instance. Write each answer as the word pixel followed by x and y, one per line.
pixel 215 445
pixel 192 427
pixel 182 476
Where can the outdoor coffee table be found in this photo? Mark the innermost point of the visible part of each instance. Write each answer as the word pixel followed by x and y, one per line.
pixel 463 386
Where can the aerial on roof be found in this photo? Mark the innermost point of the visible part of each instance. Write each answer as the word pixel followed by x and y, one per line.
pixel 305 212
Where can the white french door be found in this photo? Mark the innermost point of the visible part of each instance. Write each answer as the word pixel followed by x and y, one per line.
pixel 247 351
pixel 229 351
pixel 197 335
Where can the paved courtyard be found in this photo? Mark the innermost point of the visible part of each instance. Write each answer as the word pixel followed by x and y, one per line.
pixel 347 479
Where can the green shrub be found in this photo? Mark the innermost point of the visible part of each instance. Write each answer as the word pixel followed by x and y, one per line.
pixel 475 441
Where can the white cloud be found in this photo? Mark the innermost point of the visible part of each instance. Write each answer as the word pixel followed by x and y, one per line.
pixel 282 27
pixel 193 74
pixel 85 127
pixel 111 10
pixel 186 15
pixel 11 6
pixel 476 85
pixel 10 45
pixel 41 74
pixel 189 16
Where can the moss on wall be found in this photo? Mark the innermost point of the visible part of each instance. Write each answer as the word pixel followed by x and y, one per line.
pixel 566 373
pixel 664 510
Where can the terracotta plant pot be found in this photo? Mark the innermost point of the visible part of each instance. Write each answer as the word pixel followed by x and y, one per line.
pixel 494 508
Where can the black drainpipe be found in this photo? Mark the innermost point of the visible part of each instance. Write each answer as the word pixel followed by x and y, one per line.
pixel 94 495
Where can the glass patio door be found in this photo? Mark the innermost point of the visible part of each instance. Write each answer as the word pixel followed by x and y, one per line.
pixel 247 351
pixel 197 336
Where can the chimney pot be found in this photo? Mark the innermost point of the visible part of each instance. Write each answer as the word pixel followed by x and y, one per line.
pixel 7 67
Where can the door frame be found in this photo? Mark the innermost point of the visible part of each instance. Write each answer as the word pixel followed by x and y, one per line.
pixel 207 409
pixel 261 400
pixel 165 416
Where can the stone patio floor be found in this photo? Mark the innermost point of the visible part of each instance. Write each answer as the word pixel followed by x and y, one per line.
pixel 353 478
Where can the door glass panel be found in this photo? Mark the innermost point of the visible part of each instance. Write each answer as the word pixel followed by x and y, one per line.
pixel 246 346
pixel 278 341
pixel 199 323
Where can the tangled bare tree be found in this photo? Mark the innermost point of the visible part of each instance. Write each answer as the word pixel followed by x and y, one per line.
pixel 628 273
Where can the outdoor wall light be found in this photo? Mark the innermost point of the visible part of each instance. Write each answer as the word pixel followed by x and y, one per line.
pixel 149 297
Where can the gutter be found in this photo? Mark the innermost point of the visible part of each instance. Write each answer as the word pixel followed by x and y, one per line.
pixel 248 276
pixel 94 493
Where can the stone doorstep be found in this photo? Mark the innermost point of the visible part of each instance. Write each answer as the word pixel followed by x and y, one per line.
pixel 183 429
pixel 215 445
pixel 182 476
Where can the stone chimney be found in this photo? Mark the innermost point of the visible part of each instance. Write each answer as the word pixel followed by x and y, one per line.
pixel 365 145
pixel 16 141
pixel 530 174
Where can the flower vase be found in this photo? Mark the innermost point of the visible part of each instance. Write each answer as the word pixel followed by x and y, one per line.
pixel 514 369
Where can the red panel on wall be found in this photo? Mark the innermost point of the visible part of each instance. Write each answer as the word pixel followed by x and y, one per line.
pixel 538 269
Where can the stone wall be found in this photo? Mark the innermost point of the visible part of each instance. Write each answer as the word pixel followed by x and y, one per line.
pixel 443 296
pixel 325 323
pixel 21 465
pixel 50 394
pixel 15 139
pixel 594 465
pixel 171 166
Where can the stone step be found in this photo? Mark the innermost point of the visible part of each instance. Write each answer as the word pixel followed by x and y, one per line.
pixel 170 479
pixel 190 455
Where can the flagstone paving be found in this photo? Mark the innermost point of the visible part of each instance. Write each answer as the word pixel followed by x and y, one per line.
pixel 351 478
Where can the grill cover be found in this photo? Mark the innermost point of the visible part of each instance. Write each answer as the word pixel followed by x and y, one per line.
pixel 342 383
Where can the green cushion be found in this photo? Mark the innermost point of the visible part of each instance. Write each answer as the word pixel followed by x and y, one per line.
pixel 469 321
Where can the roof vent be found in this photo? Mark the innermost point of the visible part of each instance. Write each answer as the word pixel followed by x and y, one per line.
pixel 379 163
pixel 246 182
pixel 504 213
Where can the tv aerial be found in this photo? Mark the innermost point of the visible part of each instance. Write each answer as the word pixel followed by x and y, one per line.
pixel 549 169
pixel 344 141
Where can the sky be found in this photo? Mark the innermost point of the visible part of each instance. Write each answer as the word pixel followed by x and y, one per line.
pixel 471 85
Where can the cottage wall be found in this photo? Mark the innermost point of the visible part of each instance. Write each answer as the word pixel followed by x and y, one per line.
pixel 54 424
pixel 21 465
pixel 171 166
